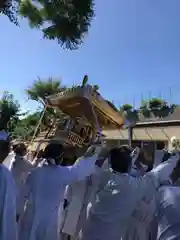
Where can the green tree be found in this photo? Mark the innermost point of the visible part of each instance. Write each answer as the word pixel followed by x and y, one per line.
pixel 129 113
pixel 9 8
pixel 9 109
pixel 157 104
pixel 39 90
pixel 26 126
pixel 126 107
pixel 144 109
pixel 65 21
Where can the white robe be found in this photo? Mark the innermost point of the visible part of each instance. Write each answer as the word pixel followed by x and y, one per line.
pixel 139 225
pixel 45 193
pixel 8 227
pixel 81 196
pixel 20 170
pixel 158 156
pixel 114 205
pixel 9 160
pixel 168 213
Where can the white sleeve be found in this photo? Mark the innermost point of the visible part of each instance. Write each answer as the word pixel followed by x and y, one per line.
pixel 159 154
pixel 82 169
pixel 165 169
pixel 152 180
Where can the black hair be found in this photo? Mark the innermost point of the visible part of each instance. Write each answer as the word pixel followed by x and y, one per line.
pixel 4 149
pixel 54 151
pixel 14 146
pixel 120 159
pixel 160 145
pixel 20 149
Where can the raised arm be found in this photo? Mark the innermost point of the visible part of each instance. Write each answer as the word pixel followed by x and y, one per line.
pixel 152 180
pixel 86 165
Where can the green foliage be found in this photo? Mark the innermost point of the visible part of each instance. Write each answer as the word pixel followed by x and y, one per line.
pixel 43 88
pixel 85 81
pixel 39 91
pixel 156 103
pixel 9 8
pixel 9 109
pixel 153 108
pixel 144 109
pixel 126 107
pixel 24 128
pixel 64 21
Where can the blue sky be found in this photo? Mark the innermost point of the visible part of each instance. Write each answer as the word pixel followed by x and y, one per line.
pixel 133 47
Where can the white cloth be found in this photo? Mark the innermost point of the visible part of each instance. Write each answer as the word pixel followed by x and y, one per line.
pixel 9 160
pixel 114 205
pixel 158 156
pixel 76 195
pixel 138 172
pixel 142 217
pixel 81 196
pixel 168 214
pixel 8 228
pixel 20 170
pixel 44 191
pixel 165 169
pixel 139 224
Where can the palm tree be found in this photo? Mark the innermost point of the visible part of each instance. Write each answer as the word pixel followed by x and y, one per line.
pixel 40 89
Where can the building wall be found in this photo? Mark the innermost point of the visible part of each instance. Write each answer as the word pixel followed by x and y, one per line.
pixel 149 146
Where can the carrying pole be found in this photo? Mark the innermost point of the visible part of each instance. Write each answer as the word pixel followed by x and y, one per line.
pixel 39 123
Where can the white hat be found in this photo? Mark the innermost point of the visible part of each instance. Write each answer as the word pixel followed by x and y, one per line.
pixel 173 139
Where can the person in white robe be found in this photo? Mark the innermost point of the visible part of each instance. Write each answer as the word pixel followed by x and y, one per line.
pixel 141 219
pixel 9 160
pixel 114 205
pixel 80 197
pixel 168 215
pixel 20 169
pixel 159 154
pixel 8 226
pixel 40 215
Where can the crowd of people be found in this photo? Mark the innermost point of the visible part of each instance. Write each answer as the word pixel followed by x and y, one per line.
pixel 107 194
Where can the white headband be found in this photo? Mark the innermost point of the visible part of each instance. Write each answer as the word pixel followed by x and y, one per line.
pixel 3 135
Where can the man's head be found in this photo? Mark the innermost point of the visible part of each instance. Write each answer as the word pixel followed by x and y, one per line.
pixel 120 159
pixel 54 151
pixel 160 146
pixel 4 149
pixel 20 149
